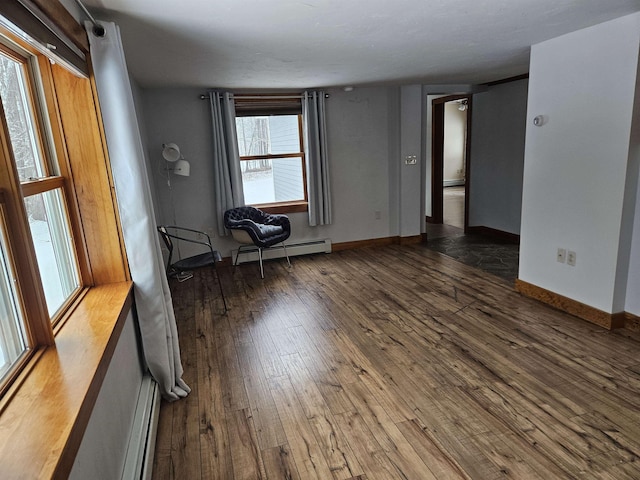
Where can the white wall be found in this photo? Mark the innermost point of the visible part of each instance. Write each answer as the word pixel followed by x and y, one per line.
pixel 455 135
pixel 362 132
pixel 632 301
pixel 576 165
pixel 103 450
pixel 497 156
pixel 411 212
pixel 632 304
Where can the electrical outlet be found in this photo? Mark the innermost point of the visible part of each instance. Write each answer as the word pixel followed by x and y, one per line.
pixel 562 255
pixel 571 258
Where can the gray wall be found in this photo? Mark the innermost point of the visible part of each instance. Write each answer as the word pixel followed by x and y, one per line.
pixel 497 156
pixel 362 135
pixel 103 450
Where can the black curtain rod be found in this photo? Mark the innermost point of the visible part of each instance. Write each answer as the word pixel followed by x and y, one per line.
pixel 98 30
pixel 263 97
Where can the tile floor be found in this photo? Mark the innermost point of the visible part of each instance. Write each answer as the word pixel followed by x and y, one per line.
pixel 489 254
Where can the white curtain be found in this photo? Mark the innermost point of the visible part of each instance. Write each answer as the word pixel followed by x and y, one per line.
pixel 315 141
pixel 152 296
pixel 226 159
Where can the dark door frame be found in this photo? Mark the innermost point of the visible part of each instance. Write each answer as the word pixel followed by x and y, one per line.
pixel 437 159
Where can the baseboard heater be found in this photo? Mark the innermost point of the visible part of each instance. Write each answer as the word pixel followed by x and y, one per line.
pixel 453 183
pixel 142 443
pixel 293 250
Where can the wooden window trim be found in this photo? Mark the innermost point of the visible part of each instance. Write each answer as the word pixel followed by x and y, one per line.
pixel 41 185
pixel 45 412
pixel 46 408
pixel 283 207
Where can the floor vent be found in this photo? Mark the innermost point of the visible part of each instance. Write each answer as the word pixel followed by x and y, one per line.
pixel 293 249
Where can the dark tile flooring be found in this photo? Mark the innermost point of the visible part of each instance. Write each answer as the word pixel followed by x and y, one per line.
pixel 490 254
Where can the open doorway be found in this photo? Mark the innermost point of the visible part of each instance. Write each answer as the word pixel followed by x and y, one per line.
pixel 450 161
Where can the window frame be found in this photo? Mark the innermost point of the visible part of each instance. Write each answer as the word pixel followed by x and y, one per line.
pixel 88 335
pixel 40 327
pixel 267 106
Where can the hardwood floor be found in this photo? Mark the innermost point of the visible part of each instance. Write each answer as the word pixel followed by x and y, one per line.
pixel 393 363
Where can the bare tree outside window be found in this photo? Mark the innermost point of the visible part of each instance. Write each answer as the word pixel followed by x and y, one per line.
pixel 13 94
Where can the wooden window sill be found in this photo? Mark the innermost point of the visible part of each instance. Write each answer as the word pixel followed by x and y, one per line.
pixel 283 207
pixel 43 421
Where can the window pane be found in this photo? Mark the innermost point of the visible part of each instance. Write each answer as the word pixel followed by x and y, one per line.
pixel 54 247
pixel 269 181
pixel 272 135
pixel 12 335
pixel 19 114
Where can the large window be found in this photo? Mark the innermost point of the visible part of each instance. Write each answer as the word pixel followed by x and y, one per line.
pixel 272 159
pixel 35 225
pixel 13 339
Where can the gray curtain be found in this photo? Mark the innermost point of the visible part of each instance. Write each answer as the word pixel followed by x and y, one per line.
pixel 152 295
pixel 315 141
pixel 226 159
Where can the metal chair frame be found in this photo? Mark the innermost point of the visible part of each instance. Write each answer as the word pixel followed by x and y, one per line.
pixel 205 259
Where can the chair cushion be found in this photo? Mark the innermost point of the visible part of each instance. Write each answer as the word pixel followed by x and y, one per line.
pixel 203 260
pixel 269 230
pixel 264 229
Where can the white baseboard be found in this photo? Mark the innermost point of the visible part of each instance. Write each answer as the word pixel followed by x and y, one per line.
pixel 142 443
pixel 293 249
pixel 453 183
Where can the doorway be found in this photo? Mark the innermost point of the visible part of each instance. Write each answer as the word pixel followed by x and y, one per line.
pixel 450 161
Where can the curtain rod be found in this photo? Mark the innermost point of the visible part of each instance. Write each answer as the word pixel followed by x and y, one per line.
pixel 263 97
pixel 98 29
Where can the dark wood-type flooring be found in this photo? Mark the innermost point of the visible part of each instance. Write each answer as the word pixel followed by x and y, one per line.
pixel 393 363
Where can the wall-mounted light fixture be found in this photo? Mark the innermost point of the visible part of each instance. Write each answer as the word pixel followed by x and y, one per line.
pixel 179 166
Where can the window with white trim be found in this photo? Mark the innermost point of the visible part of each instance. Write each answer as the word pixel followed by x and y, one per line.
pixel 271 147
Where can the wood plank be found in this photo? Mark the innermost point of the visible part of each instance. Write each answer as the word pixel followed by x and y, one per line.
pixel 335 447
pixel 278 463
pixel 306 451
pixel 185 458
pixel 397 362
pixel 263 409
pixel 215 450
pixel 393 443
pixel 245 453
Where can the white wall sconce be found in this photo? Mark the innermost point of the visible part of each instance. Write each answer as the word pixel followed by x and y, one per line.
pixel 179 166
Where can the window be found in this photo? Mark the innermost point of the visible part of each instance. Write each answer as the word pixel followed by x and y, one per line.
pixel 272 160
pixel 13 339
pixel 38 255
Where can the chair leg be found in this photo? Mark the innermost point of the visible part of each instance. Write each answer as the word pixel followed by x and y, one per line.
pixel 237 255
pixel 224 301
pixel 260 256
pixel 285 253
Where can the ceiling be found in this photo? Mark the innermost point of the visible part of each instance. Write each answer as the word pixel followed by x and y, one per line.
pixel 285 44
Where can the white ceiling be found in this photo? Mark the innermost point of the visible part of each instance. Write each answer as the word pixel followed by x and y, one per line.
pixel 276 44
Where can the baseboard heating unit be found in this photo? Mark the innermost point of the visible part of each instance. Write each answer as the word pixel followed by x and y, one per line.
pixel 293 249
pixel 142 444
